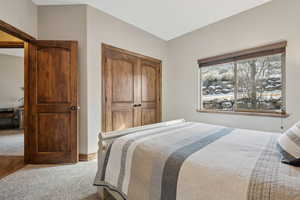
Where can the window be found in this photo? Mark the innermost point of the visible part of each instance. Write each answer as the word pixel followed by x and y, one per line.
pixel 249 81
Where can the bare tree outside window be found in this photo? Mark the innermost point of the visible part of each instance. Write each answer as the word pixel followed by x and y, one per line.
pixel 259 84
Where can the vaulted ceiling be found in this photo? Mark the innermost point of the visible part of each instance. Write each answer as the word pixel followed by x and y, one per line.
pixel 166 19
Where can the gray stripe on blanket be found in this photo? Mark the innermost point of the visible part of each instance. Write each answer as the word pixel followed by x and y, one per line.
pixel 176 159
pixel 100 176
pixel 264 173
pixel 105 162
pixel 174 143
pixel 129 142
pixel 271 179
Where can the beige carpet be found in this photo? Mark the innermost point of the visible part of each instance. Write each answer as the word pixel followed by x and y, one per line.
pixel 57 182
pixel 11 142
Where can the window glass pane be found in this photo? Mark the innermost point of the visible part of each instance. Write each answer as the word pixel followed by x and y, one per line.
pixel 259 84
pixel 217 87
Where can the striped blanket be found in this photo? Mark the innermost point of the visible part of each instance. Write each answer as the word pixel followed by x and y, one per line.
pixel 195 161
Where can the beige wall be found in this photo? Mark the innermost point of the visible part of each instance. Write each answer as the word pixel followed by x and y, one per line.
pixel 278 20
pixel 91 28
pixel 21 14
pixel 69 23
pixel 103 28
pixel 11 79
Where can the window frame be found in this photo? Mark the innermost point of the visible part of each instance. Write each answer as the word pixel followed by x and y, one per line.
pixel 266 50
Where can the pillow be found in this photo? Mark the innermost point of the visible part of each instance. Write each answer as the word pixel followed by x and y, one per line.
pixel 288 145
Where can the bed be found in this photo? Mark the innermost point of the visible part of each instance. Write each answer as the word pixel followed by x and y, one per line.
pixel 179 160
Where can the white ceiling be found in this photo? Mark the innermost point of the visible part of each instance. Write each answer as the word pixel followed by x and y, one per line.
pixel 166 19
pixel 12 51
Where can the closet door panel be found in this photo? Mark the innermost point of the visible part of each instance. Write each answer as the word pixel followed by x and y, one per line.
pixel 122 120
pixel 122 81
pixel 131 85
pixel 150 81
pixel 119 76
pixel 149 116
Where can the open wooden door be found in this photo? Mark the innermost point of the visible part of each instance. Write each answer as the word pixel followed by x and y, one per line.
pixel 52 103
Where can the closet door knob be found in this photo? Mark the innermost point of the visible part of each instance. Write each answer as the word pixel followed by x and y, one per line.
pixel 74 108
pixel 137 105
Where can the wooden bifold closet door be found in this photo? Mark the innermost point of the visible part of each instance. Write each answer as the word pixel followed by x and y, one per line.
pixel 131 89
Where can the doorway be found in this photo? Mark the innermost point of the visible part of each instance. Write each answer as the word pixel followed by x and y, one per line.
pixel 50 97
pixel 11 104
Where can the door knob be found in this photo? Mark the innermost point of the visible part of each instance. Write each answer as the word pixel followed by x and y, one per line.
pixel 74 108
pixel 137 105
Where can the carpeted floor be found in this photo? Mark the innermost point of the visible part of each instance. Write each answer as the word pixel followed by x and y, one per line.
pixel 51 182
pixel 12 142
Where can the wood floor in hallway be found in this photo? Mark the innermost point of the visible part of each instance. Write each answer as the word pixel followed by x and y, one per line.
pixel 10 164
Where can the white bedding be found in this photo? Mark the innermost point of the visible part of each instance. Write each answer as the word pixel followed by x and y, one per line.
pixel 195 161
